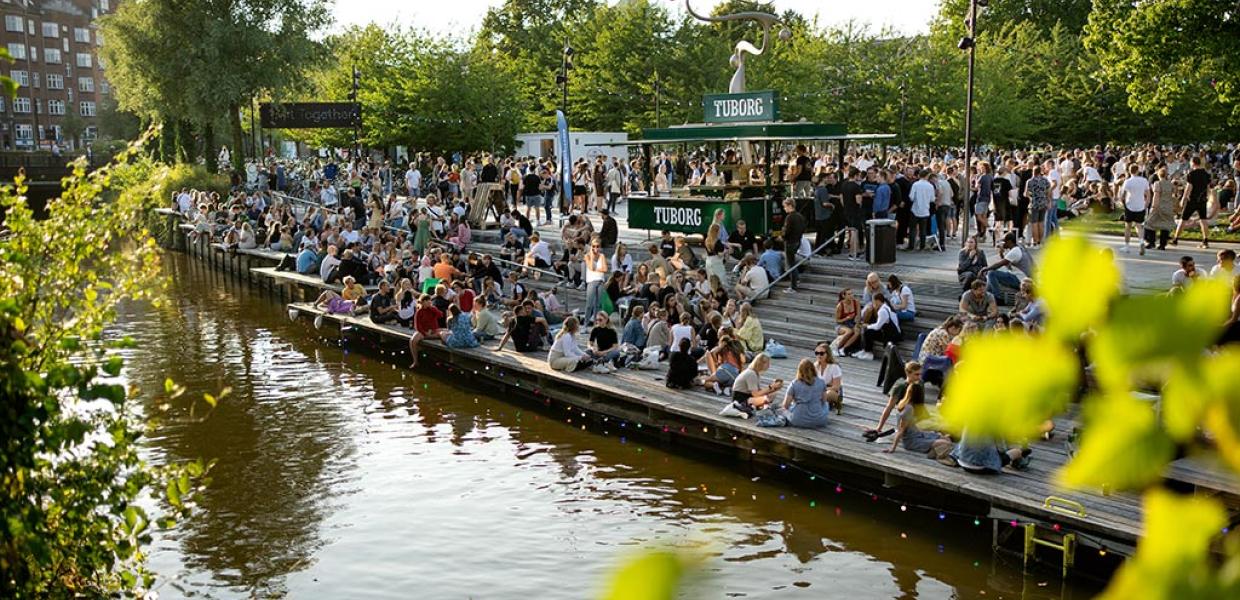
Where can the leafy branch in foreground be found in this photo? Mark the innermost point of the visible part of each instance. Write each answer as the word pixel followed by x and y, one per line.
pixel 1160 343
pixel 72 480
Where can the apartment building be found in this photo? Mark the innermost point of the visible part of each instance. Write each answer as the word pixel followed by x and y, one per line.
pixel 54 45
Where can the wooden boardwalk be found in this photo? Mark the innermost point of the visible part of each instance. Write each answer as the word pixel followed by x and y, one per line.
pixel 639 399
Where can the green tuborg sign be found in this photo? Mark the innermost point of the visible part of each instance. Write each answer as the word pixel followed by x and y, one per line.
pixel 740 108
pixel 689 215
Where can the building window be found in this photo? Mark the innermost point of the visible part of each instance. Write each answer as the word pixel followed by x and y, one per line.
pixel 90 134
pixel 1 103
pixel 104 88
pixel 25 132
pixel 84 60
pixel 17 51
pixel 104 4
pixel 55 107
pixel 51 30
pixel 81 34
pixel 34 53
pixel 34 79
pixel 55 81
pixel 86 109
pixel 86 84
pixel 51 56
pixel 21 77
pixel 13 23
pixel 21 105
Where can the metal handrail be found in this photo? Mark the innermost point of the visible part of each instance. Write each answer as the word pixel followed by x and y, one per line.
pixel 756 295
pixel 524 267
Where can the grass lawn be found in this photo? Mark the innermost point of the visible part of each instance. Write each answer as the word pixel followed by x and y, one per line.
pixel 1110 224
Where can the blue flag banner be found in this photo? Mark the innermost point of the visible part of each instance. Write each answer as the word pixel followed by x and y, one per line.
pixel 566 159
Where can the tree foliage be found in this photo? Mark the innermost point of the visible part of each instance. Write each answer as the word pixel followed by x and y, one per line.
pixel 203 59
pixel 70 473
pixel 1134 343
pixel 1171 54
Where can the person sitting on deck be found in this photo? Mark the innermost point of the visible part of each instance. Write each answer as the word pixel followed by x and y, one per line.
pixel 723 363
pixel 634 332
pixel 830 372
pixel 307 260
pixel 753 278
pixel 873 287
pixel 984 456
pixel 425 324
pixel 682 367
pixel 604 341
pixel 885 329
pixel 1019 263
pixel 901 296
pixel 383 304
pixel 684 258
pixel 749 329
pixel 806 403
pixel 327 268
pixel 978 305
pixel 486 326
pixel 847 318
pixel 748 393
pixel 460 331
pixel 526 330
pixel 566 355
pixel 772 260
pixel 911 408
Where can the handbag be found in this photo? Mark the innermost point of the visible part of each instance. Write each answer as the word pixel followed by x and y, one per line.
pixel 774 349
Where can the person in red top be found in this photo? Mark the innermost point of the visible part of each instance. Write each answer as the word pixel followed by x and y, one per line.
pixel 426 325
pixel 464 296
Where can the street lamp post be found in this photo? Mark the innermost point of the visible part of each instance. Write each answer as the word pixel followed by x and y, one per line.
pixel 969 44
pixel 562 78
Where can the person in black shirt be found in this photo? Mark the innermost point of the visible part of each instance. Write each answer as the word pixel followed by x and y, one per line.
pixel 824 209
pixel 524 329
pixel 490 173
pixel 794 228
pixel 1195 196
pixel 383 304
pixel 609 231
pixel 682 367
pixel 743 240
pixel 667 246
pixel 854 210
pixel 531 193
pixel 802 181
pixel 902 204
pixel 604 341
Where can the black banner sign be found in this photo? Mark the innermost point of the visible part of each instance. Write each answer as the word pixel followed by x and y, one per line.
pixel 310 115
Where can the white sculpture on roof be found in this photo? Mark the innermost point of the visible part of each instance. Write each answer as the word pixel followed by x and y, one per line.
pixel 743 47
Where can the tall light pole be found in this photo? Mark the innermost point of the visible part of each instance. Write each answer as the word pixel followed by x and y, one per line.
pixel 562 79
pixel 969 44
pixel 658 88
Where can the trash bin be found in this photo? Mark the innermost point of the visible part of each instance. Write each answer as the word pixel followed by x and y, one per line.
pixel 882 249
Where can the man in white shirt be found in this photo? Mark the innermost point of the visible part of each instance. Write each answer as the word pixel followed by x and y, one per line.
pixel 413 181
pixel 329 195
pixel 539 255
pixel 942 205
pixel 349 235
pixel 1136 196
pixel 1226 264
pixel 921 196
pixel 185 202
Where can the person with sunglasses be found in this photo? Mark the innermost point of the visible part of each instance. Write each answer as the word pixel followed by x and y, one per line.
pixel 596 271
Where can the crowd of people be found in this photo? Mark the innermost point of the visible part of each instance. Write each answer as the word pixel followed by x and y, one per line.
pixel 409 260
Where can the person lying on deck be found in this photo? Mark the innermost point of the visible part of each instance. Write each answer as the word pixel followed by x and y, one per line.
pixel 350 300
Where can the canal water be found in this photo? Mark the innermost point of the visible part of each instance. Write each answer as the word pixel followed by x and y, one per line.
pixel 342 476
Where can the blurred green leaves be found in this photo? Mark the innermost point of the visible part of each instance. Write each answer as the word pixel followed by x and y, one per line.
pixel 1123 446
pixel 650 575
pixel 1094 278
pixel 1007 385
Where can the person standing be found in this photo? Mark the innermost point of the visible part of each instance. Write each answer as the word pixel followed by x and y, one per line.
pixel 532 193
pixel 921 196
pixel 596 272
pixel 614 181
pixel 413 181
pixel 1136 196
pixel 803 174
pixel 983 191
pixel 854 212
pixel 1195 202
pixel 794 229
pixel 942 206
pixel 824 209
pixel 1160 219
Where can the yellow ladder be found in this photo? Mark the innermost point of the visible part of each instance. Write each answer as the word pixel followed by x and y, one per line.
pixel 1041 536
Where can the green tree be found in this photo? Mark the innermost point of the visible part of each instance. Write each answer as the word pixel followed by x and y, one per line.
pixel 203 59
pixel 70 472
pixel 1170 54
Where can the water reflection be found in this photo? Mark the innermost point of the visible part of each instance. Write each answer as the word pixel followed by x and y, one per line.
pixel 339 476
